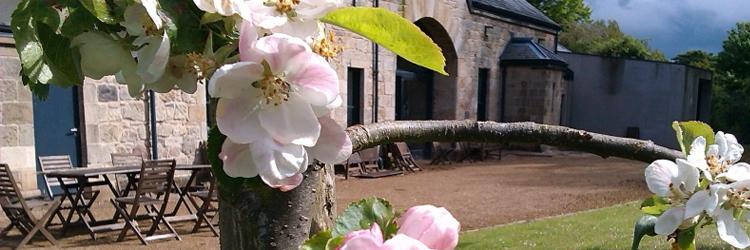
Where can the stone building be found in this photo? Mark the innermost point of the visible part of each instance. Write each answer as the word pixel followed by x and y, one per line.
pixel 472 35
pixel 100 118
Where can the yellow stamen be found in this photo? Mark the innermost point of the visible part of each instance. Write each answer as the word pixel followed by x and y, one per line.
pixel 198 65
pixel 327 46
pixel 274 90
pixel 286 6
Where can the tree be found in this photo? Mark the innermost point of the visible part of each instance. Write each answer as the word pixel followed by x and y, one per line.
pixel 564 11
pixel 735 58
pixel 605 38
pixel 731 94
pixel 697 58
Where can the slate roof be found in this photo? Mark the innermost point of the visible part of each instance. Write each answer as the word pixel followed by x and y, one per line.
pixel 526 51
pixel 516 9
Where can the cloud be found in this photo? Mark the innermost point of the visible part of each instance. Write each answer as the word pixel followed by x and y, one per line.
pixel 674 26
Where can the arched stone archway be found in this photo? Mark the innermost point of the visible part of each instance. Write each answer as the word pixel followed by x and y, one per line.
pixel 422 94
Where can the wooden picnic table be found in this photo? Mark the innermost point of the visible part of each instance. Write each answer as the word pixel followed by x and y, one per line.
pixel 89 177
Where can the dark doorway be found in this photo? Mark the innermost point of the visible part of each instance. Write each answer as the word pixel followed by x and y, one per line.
pixel 413 92
pixel 482 84
pixel 355 81
pixel 703 111
pixel 57 126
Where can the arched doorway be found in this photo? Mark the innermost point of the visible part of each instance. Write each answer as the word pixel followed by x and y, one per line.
pixel 422 94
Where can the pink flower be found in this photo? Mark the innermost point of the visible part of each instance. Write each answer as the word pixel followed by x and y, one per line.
pixel 433 226
pixel 373 240
pixel 274 106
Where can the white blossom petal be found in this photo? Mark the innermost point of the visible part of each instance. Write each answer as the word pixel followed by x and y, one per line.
pixel 96 64
pixel 152 10
pixel 235 80
pixel 334 145
pixel 668 222
pixel 698 203
pixel 659 177
pixel 737 172
pixel 688 175
pixel 279 166
pixel 238 120
pixel 730 230
pixel 152 57
pixel 729 149
pixel 237 160
pixel 291 122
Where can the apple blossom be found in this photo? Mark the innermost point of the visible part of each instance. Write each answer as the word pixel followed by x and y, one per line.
pixel 298 18
pixel 372 239
pixel 276 103
pixel 433 226
pixel 675 182
pixel 222 7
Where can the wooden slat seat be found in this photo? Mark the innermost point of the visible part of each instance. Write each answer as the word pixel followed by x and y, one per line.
pixel 19 210
pixel 153 188
pixel 58 163
pixel 207 209
pixel 143 200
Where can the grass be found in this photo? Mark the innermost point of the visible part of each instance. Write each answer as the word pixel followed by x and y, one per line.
pixel 607 228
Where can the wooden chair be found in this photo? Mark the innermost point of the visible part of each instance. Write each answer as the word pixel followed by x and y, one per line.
pixel 354 162
pixel 19 210
pixel 62 162
pixel 124 159
pixel 442 152
pixel 370 158
pixel 404 158
pixel 492 150
pixel 153 188
pixel 207 209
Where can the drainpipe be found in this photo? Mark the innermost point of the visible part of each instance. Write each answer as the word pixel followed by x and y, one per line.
pixel 375 72
pixel 502 94
pixel 152 123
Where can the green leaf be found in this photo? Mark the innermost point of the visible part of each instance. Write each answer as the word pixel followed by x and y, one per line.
pixel 686 239
pixel 63 62
pixel 644 226
pixel 360 215
pixel 334 243
pixel 322 241
pixel 24 21
pixel 79 20
pixel 209 17
pixel 654 205
pixel 100 9
pixel 318 241
pixel 391 31
pixel 185 31
pixel 688 131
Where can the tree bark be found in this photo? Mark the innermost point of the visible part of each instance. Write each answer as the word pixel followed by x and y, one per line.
pixel 258 217
pixel 365 136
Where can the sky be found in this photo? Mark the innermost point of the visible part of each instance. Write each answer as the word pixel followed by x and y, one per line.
pixel 675 26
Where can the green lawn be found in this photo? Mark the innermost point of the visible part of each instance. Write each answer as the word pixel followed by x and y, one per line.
pixel 607 228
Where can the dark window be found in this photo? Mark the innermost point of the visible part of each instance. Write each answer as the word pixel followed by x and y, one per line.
pixel 354 82
pixel 482 85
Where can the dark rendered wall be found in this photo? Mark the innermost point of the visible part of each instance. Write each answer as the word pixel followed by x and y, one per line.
pixel 609 95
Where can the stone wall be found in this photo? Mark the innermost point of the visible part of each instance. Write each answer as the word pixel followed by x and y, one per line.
pixel 534 94
pixel 16 119
pixel 118 123
pixel 473 50
pixel 113 122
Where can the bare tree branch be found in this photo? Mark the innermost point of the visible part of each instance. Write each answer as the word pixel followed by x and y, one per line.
pixel 365 136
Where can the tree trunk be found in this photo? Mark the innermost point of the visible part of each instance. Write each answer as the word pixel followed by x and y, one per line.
pixel 258 217
pixel 324 201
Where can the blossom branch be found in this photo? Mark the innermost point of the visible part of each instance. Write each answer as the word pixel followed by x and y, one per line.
pixel 365 136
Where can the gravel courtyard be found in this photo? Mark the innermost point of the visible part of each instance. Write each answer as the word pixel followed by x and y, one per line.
pixel 479 194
